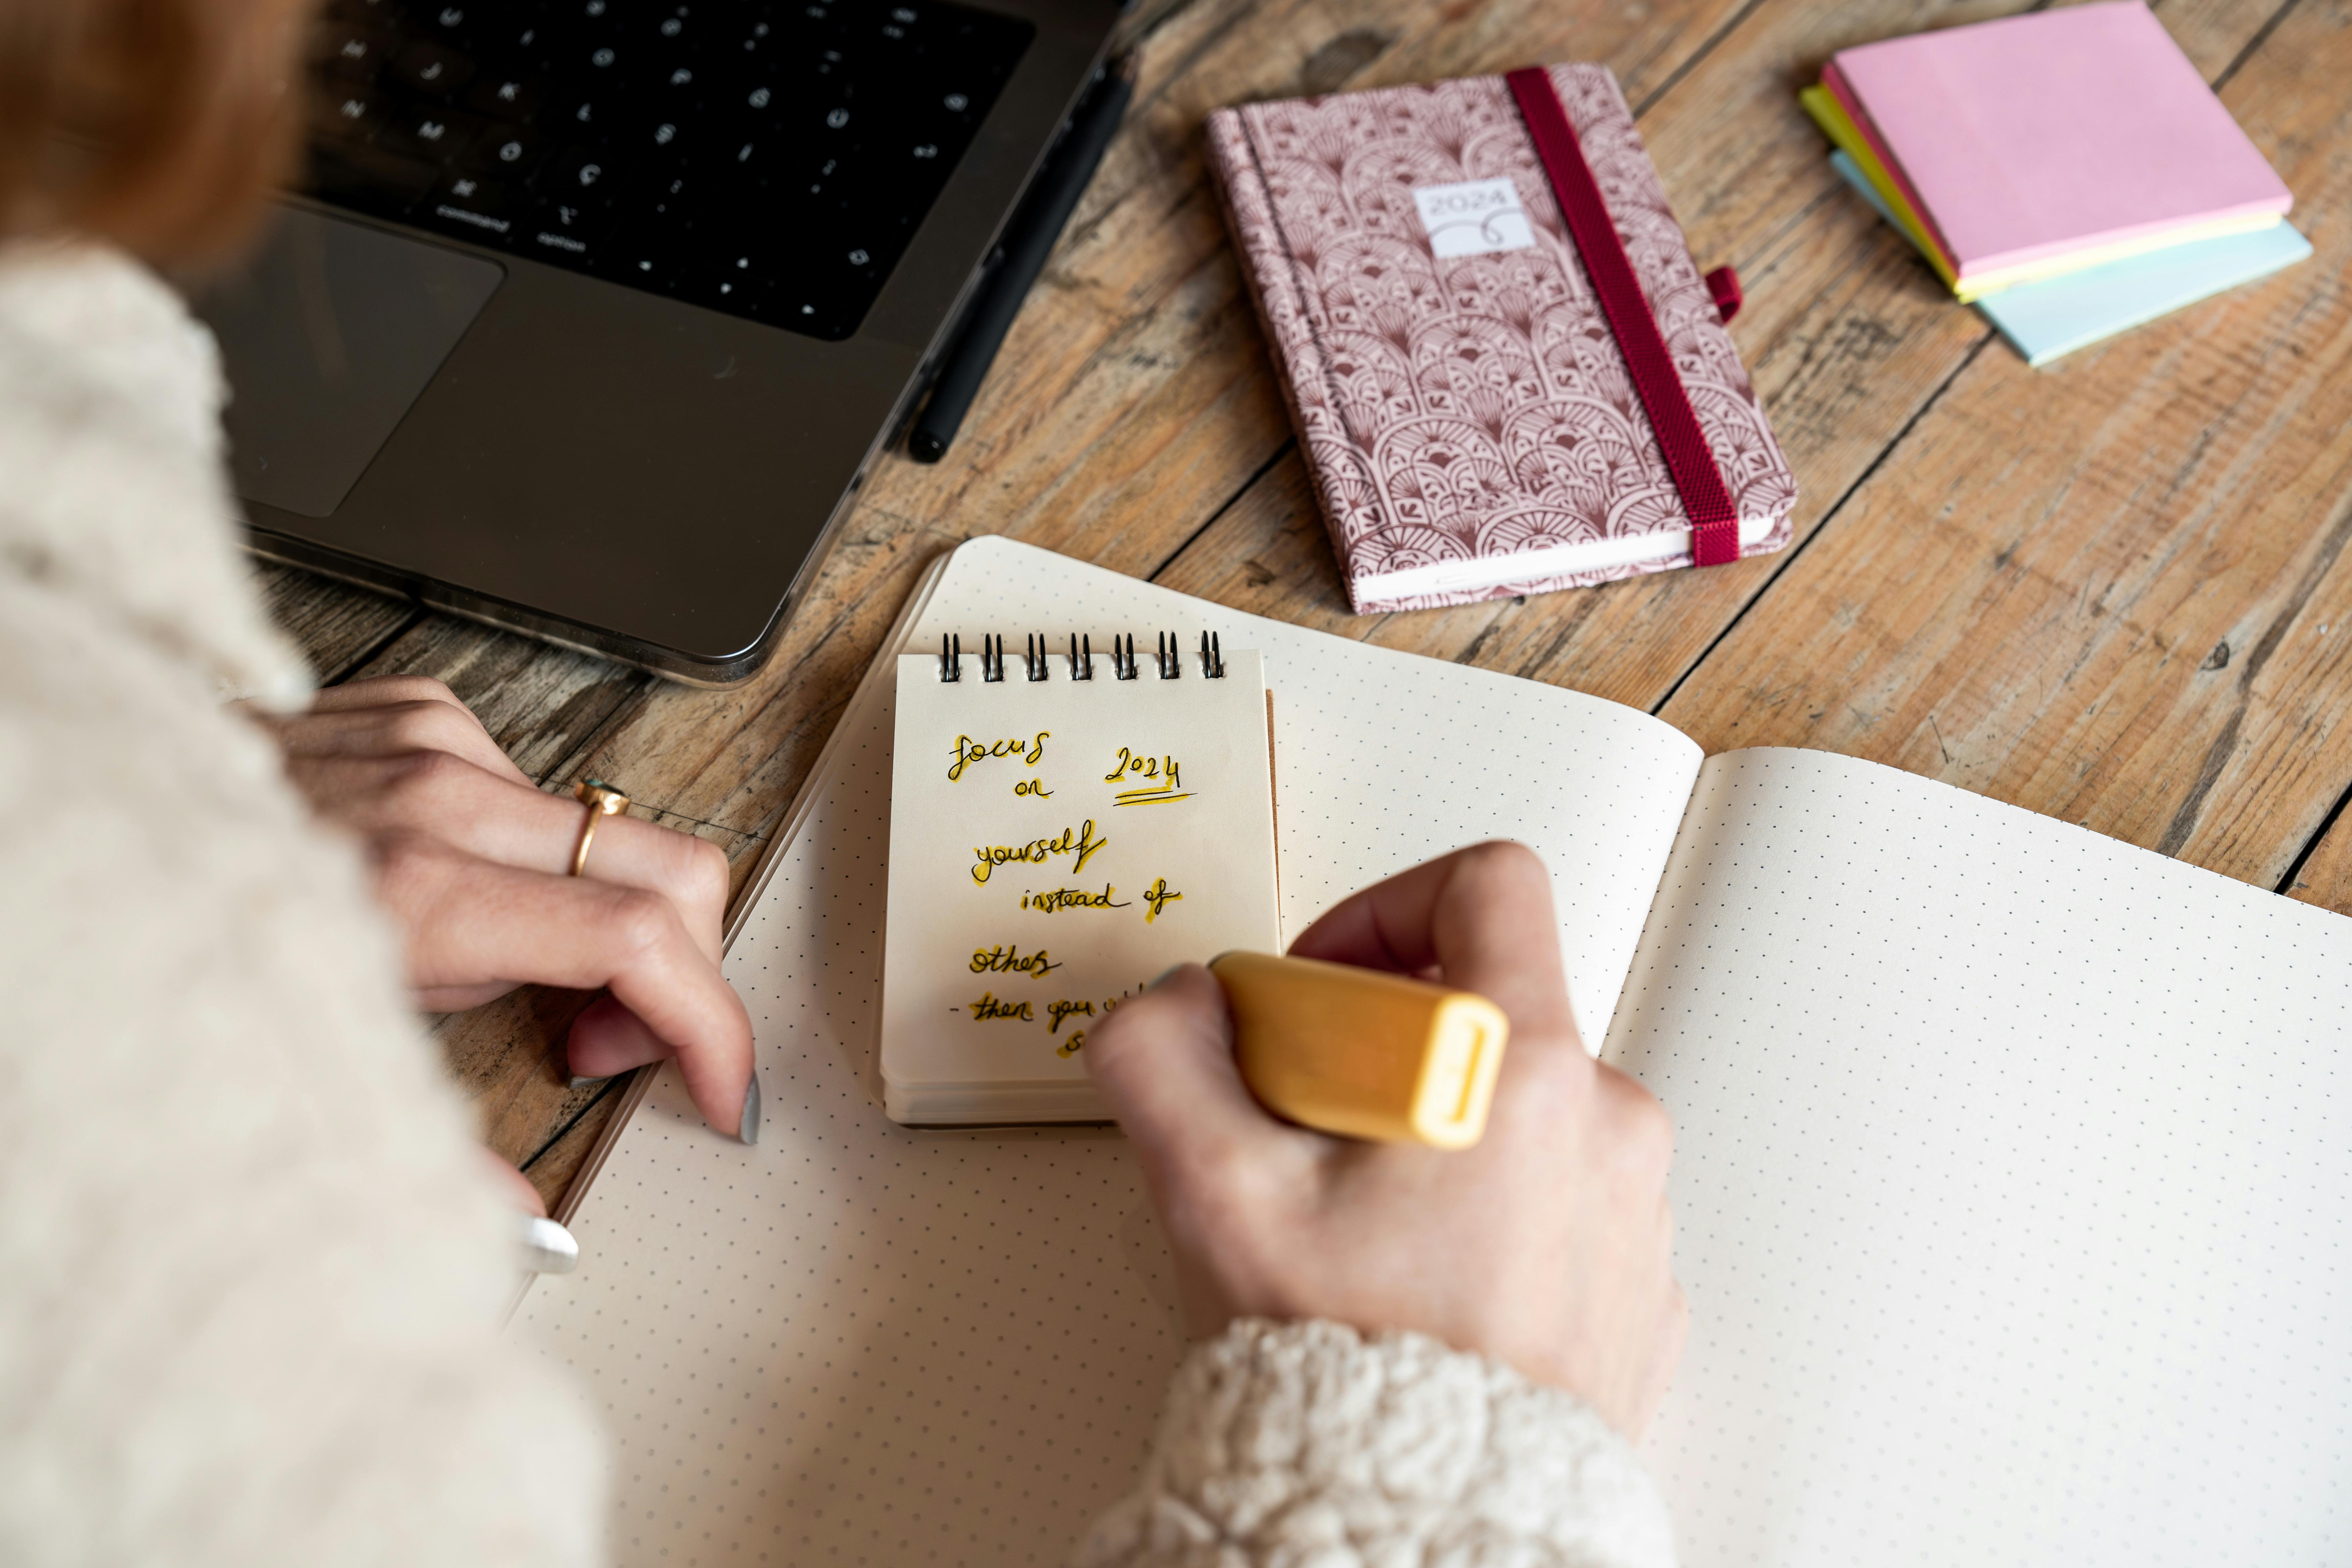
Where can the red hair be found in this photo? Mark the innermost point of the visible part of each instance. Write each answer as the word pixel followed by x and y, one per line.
pixel 158 125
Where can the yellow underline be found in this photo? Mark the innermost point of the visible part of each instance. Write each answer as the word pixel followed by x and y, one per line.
pixel 1147 798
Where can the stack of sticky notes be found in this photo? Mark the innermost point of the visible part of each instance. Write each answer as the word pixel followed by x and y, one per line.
pixel 2068 171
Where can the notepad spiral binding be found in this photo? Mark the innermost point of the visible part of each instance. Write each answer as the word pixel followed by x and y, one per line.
pixel 1036 657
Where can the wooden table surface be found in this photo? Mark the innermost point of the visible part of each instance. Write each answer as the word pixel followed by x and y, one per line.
pixel 2113 591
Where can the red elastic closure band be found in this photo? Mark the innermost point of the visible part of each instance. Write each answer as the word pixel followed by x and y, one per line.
pixel 1715 522
pixel 1723 287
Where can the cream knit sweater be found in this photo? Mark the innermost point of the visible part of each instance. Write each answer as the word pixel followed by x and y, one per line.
pixel 250 1269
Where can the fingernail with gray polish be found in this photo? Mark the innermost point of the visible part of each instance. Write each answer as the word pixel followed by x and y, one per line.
pixel 548 1247
pixel 1164 974
pixel 581 1081
pixel 748 1129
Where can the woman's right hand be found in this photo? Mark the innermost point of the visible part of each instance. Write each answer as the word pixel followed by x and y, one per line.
pixel 1546 1246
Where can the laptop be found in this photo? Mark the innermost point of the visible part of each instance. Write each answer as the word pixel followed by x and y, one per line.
pixel 591 314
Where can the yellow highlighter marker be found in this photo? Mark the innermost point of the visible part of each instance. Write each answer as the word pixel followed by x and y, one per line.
pixel 1362 1053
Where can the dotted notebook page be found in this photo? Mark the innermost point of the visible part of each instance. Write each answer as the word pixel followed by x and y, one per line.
pixel 860 1344
pixel 2012 1187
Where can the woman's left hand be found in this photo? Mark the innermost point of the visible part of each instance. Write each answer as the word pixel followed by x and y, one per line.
pixel 473 862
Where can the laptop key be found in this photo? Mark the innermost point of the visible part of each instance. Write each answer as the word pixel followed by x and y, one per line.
pixel 571 232
pixel 587 174
pixel 352 51
pixel 469 205
pixel 351 115
pixel 432 135
pixel 506 96
pixel 431 69
pixel 452 24
pixel 509 152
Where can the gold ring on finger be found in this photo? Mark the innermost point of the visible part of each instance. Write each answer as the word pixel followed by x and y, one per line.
pixel 602 801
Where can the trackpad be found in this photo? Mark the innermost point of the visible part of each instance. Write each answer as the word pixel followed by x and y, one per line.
pixel 327 337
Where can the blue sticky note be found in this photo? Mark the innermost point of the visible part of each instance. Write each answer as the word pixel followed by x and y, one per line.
pixel 2054 316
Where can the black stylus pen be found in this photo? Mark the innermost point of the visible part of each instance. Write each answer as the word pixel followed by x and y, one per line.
pixel 1028 240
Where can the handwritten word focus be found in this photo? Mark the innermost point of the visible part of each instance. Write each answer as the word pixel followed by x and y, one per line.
pixel 969 751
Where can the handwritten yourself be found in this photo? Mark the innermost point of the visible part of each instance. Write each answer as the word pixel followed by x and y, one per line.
pixel 1078 841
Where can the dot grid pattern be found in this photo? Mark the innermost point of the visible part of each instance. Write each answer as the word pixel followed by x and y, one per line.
pixel 857 1343
pixel 2011 1194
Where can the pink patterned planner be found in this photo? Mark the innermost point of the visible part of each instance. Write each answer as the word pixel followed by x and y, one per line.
pixel 1467 416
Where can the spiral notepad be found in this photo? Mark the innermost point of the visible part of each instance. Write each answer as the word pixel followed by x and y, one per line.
pixel 1065 827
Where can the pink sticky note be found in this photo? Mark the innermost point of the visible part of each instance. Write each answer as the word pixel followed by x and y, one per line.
pixel 2032 136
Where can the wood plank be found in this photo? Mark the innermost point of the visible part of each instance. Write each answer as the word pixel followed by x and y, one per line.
pixel 2113 591
pixel 542 704
pixel 557 1165
pixel 1847 334
pixel 335 624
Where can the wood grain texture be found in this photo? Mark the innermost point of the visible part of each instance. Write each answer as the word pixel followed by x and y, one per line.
pixel 335 625
pixel 1848 334
pixel 2018 582
pixel 2112 591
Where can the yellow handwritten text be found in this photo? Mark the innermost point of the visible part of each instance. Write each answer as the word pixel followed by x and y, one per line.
pixel 1133 766
pixel 1002 960
pixel 987 1006
pixel 1063 1009
pixel 1072 1046
pixel 969 751
pixel 1078 841
pixel 1160 895
pixel 1054 900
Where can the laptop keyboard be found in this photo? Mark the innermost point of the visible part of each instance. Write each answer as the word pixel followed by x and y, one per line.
pixel 771 161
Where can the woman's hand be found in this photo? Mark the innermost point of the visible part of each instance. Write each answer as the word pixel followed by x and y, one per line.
pixel 473 862
pixel 1546 1246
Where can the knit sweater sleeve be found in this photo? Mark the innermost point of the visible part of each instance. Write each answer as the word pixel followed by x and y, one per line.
pixel 1307 1444
pixel 251 1269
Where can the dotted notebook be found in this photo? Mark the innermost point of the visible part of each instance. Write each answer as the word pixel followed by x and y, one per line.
pixel 2013 1185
